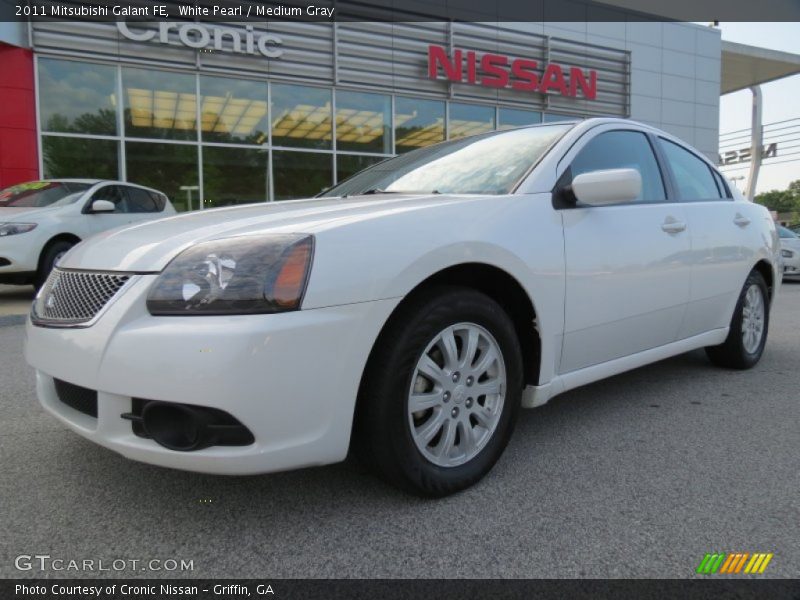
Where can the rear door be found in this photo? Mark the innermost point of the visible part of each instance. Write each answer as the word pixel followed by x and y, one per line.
pixel 721 239
pixel 627 265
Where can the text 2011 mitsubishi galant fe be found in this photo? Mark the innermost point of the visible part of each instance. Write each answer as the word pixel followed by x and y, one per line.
pixel 409 312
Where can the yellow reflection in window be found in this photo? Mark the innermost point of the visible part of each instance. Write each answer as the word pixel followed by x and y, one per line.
pixel 304 121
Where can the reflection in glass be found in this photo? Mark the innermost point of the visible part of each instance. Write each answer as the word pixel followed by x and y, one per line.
pixel 77 97
pixel 512 117
pixel 234 176
pixel 417 123
pixel 233 110
pixel 301 116
pixel 79 157
pixel 469 119
pixel 363 122
pixel 348 164
pixel 301 174
pixel 491 163
pixel 167 168
pixel 159 104
pixel 554 118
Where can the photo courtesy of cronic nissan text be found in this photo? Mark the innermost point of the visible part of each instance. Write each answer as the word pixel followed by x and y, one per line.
pixel 389 300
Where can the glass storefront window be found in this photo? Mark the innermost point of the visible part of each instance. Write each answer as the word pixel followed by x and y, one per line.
pixel 417 123
pixel 363 122
pixel 469 119
pixel 554 118
pixel 167 168
pixel 349 164
pixel 79 157
pixel 234 176
pixel 159 104
pixel 301 116
pixel 233 110
pixel 77 97
pixel 512 117
pixel 301 174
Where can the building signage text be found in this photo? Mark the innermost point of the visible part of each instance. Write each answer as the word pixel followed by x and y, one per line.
pixel 743 155
pixel 202 36
pixel 500 71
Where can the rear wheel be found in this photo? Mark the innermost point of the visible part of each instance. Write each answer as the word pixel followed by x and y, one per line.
pixel 50 257
pixel 747 336
pixel 441 393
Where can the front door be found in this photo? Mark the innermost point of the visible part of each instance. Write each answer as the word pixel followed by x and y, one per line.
pixel 628 265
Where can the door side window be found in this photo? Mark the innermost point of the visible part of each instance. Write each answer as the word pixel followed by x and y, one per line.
pixel 693 177
pixel 140 201
pixel 112 193
pixel 623 150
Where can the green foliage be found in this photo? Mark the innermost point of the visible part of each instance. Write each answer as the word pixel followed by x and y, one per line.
pixel 782 201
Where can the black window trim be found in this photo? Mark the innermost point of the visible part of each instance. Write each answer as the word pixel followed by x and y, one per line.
pixel 715 175
pixel 563 198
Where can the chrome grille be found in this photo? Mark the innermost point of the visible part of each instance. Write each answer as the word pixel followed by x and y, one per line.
pixel 73 297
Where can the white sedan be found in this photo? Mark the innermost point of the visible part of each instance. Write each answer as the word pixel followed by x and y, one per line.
pixel 410 312
pixel 41 220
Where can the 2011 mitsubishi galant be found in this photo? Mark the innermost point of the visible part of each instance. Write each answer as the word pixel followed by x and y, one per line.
pixel 410 312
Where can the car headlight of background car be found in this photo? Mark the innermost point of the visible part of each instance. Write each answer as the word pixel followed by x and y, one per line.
pixel 15 228
pixel 787 253
pixel 237 275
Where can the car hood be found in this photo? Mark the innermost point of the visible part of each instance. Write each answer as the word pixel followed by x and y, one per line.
pixel 148 247
pixel 21 213
pixel 791 243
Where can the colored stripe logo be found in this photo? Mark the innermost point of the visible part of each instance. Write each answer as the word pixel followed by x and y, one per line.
pixel 734 562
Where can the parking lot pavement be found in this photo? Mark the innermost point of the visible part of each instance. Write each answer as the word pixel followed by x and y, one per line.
pixel 15 299
pixel 636 476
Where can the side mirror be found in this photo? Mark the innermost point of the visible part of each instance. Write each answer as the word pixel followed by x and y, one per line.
pixel 103 206
pixel 610 186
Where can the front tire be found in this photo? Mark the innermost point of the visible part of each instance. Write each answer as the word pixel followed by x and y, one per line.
pixel 49 258
pixel 747 336
pixel 441 392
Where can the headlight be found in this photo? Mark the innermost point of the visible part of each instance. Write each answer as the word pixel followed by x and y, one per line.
pixel 235 276
pixel 15 228
pixel 787 253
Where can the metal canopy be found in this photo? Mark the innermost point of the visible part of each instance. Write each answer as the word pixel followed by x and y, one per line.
pixel 744 66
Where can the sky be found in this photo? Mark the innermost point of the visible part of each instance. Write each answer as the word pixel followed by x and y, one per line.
pixel 781 99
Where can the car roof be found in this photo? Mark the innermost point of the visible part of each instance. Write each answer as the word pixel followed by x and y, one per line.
pixel 94 182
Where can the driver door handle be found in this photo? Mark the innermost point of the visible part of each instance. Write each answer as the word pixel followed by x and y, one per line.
pixel 741 220
pixel 672 225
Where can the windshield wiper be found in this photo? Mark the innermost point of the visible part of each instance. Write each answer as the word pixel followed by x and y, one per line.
pixel 369 192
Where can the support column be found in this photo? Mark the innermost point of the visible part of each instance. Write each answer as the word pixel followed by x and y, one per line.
pixel 756 143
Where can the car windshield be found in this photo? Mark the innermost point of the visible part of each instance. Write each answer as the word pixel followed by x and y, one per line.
pixel 36 194
pixel 485 164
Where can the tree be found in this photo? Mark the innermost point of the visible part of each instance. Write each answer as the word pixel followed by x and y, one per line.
pixel 782 201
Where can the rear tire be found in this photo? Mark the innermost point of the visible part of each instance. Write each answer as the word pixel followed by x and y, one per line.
pixel 467 398
pixel 49 258
pixel 747 336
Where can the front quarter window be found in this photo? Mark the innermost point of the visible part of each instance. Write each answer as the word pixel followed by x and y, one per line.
pixel 485 164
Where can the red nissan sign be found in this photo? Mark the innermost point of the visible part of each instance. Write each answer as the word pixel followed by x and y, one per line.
pixel 497 70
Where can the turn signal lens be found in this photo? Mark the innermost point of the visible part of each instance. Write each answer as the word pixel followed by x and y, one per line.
pixel 291 279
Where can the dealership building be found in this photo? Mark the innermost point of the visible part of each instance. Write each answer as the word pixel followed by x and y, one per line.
pixel 223 113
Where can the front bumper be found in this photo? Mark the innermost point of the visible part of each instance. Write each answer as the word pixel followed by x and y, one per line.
pixel 290 378
pixel 791 265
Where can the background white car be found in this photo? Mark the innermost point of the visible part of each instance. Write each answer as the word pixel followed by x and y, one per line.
pixel 790 252
pixel 416 308
pixel 41 220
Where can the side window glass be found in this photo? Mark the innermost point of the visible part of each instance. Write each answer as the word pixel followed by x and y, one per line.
pixel 160 201
pixel 140 201
pixel 112 193
pixel 693 177
pixel 623 150
pixel 723 188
